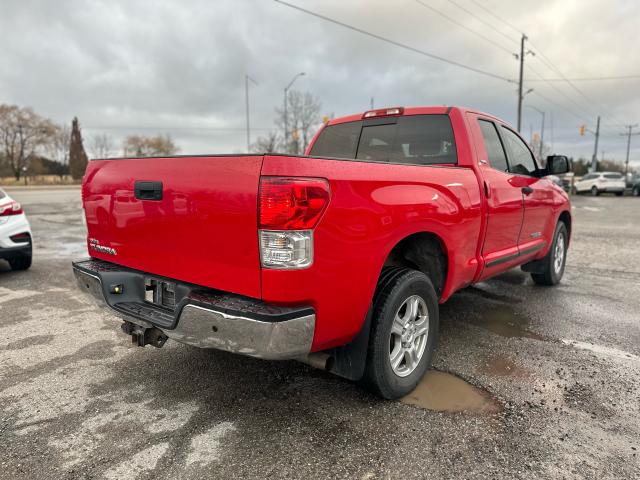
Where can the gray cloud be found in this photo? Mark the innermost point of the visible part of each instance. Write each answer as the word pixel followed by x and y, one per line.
pixel 126 67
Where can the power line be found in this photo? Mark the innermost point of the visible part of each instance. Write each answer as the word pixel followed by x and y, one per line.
pixel 589 79
pixel 500 19
pixel 541 56
pixel 461 25
pixel 557 70
pixel 397 44
pixel 492 27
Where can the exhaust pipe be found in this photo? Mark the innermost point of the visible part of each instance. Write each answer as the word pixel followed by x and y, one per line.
pixel 319 360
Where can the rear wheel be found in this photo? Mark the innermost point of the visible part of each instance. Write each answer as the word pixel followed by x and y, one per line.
pixel 23 261
pixel 403 332
pixel 636 191
pixel 594 191
pixel 555 260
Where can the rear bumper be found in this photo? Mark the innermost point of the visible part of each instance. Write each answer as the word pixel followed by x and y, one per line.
pixel 15 252
pixel 201 317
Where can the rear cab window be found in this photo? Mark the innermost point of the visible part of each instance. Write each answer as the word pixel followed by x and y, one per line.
pixel 613 176
pixel 411 139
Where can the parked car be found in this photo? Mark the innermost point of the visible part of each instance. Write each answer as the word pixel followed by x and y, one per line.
pixel 15 234
pixel 339 258
pixel 635 186
pixel 601 182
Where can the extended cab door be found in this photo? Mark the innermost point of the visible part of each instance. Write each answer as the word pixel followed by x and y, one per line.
pixel 537 194
pixel 504 198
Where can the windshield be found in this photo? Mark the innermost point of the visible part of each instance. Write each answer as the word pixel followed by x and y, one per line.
pixel 414 139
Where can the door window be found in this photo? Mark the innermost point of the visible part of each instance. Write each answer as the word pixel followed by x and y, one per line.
pixel 492 144
pixel 520 157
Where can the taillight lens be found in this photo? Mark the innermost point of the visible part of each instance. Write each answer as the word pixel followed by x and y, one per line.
pixel 288 203
pixel 13 208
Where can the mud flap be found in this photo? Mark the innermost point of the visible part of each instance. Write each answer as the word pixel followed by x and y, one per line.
pixel 349 361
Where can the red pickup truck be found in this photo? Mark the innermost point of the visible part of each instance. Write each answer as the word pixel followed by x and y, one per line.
pixel 338 258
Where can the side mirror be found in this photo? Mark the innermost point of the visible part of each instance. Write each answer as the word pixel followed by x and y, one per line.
pixel 557 164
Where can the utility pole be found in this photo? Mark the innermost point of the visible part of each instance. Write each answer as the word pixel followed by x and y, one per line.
pixel 629 134
pixel 541 129
pixel 371 103
pixel 594 159
pixel 521 78
pixel 286 119
pixel 248 79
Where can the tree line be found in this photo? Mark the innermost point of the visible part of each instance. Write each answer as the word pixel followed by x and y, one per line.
pixel 31 144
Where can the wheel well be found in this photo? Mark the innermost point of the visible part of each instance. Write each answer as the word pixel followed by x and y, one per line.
pixel 424 252
pixel 565 217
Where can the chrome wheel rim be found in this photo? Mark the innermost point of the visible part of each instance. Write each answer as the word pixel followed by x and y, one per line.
pixel 409 334
pixel 559 254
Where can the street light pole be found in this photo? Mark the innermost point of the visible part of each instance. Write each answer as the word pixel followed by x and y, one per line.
pixel 286 120
pixel 248 79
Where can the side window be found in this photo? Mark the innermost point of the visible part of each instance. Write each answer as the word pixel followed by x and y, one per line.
pixel 497 158
pixel 520 157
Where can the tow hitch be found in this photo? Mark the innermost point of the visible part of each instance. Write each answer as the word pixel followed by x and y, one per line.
pixel 142 336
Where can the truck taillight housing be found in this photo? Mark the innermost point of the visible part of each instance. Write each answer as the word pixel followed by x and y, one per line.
pixel 290 207
pixel 13 208
pixel 288 203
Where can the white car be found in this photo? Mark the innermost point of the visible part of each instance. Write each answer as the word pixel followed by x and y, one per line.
pixel 601 182
pixel 15 234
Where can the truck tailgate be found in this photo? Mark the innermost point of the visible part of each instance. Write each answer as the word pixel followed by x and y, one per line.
pixel 203 230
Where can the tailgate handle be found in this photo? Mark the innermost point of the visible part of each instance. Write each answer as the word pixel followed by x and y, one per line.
pixel 145 190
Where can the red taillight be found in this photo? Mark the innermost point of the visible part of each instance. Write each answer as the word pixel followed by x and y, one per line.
pixel 383 112
pixel 292 203
pixel 13 208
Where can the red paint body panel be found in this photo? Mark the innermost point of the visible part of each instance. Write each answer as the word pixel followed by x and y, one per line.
pixel 205 229
pixel 373 207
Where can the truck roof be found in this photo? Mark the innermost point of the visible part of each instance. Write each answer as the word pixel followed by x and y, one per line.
pixel 424 110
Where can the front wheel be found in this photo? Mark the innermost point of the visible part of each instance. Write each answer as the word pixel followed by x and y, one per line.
pixel 636 191
pixel 554 262
pixel 594 191
pixel 403 332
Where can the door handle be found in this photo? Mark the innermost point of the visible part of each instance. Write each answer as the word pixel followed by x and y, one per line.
pixel 527 190
pixel 148 190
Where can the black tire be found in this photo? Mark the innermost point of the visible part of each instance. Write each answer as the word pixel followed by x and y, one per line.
pixel 635 192
pixel 594 191
pixel 23 261
pixel 395 287
pixel 619 194
pixel 550 275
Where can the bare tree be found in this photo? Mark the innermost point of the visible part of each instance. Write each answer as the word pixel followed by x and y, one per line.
pixel 141 146
pixel 22 133
pixel 303 116
pixel 58 148
pixel 102 146
pixel 271 143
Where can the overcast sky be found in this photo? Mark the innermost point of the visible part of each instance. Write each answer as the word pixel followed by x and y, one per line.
pixel 178 67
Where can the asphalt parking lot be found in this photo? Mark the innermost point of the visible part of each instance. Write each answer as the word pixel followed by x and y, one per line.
pixel 529 382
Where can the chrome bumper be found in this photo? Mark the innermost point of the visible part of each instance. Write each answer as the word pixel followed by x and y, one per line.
pixel 202 319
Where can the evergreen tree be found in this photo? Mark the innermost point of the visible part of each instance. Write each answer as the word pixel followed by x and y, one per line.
pixel 77 157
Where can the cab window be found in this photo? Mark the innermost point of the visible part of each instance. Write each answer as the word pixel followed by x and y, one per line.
pixel 492 144
pixel 521 160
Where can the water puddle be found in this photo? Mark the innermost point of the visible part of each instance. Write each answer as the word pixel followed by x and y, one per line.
pixel 502 366
pixel 505 322
pixel 444 392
